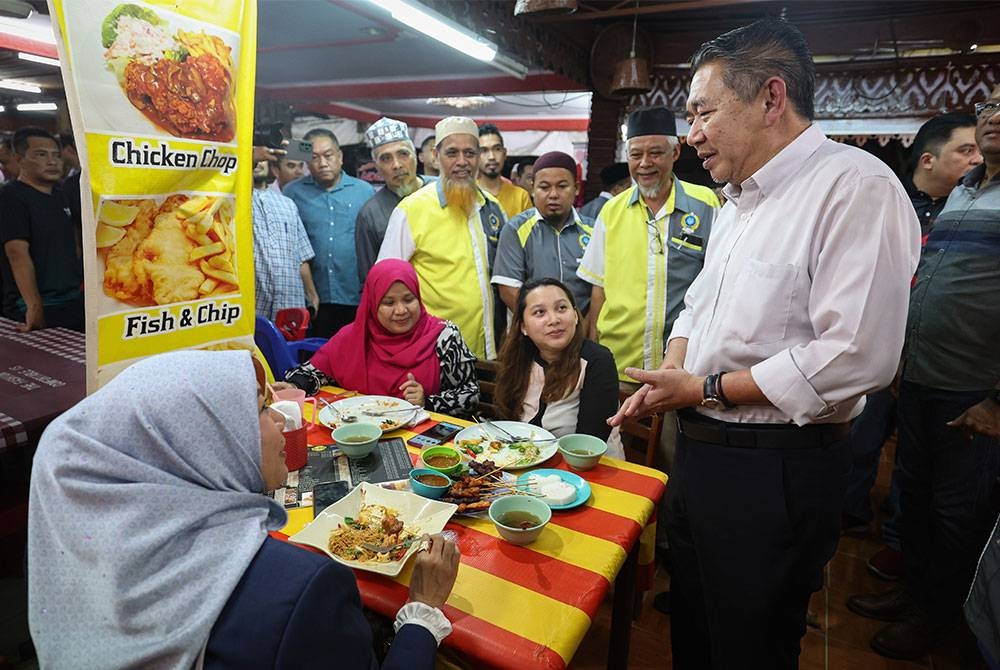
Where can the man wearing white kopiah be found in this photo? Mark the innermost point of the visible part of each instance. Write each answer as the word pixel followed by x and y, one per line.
pixel 448 231
pixel 396 160
pixel 798 313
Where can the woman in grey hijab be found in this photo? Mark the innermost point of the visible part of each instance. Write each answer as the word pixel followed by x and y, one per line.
pixel 147 536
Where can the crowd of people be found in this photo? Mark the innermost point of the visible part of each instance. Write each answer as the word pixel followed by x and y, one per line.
pixel 784 335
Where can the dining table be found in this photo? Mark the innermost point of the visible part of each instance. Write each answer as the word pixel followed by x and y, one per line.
pixel 42 374
pixel 531 606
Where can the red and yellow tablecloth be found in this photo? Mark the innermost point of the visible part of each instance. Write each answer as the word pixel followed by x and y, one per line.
pixel 529 607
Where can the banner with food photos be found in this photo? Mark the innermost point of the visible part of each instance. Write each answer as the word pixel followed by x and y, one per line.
pixel 160 94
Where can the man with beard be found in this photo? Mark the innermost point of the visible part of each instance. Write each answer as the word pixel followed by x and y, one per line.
pixel 329 201
pixel 492 156
pixel 661 219
pixel 281 250
pixel 448 230
pixel 548 240
pixel 396 160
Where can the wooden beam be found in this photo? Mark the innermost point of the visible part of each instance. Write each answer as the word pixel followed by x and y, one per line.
pixel 661 8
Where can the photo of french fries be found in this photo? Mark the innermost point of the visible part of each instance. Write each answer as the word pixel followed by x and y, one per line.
pixel 161 252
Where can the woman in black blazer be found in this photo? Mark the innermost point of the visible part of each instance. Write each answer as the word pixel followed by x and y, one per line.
pixel 148 546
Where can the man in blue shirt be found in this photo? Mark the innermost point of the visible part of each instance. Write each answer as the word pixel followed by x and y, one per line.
pixel 329 202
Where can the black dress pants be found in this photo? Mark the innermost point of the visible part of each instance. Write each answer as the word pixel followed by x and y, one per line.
pixel 750 531
pixel 948 490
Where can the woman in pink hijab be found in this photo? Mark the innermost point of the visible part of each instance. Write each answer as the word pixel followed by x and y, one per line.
pixel 395 348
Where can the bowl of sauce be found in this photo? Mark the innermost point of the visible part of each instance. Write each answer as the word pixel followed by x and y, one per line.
pixel 445 460
pixel 429 483
pixel 581 452
pixel 357 440
pixel 519 519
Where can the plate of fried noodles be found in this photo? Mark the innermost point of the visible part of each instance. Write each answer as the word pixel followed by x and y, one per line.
pixel 372 516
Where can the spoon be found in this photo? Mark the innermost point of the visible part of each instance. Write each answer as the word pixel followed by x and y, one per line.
pixel 345 418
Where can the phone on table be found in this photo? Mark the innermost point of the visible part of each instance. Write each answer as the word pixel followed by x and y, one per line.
pixel 439 433
pixel 299 150
pixel 327 493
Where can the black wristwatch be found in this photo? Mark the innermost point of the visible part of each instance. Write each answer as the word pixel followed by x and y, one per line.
pixel 712 396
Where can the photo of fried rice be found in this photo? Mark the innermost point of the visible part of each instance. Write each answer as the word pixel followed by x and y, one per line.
pixel 156 253
pixel 181 82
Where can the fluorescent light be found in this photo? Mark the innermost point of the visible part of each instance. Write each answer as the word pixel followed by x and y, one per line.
pixel 35 29
pixel 437 27
pixel 44 60
pixel 37 107
pixel 2 108
pixel 19 86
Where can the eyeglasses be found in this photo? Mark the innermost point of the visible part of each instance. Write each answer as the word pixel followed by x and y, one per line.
pixel 985 110
pixel 655 242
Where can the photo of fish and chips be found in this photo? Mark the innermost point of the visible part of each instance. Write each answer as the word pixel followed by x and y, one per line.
pixel 181 82
pixel 157 252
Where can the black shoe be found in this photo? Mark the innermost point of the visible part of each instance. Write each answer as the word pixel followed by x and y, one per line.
pixel 888 606
pixel 661 602
pixel 853 526
pixel 906 640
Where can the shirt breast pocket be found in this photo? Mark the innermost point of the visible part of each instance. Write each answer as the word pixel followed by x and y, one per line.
pixel 762 301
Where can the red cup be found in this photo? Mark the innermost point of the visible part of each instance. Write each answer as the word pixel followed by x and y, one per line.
pixel 295 448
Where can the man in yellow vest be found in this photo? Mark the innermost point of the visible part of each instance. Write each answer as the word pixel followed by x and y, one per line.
pixel 647 247
pixel 448 231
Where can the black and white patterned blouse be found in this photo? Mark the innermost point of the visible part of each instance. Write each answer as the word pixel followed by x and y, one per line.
pixel 459 392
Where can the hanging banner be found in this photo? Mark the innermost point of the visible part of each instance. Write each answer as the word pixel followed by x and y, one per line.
pixel 160 94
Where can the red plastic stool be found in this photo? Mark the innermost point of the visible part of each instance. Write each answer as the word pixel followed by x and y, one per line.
pixel 292 323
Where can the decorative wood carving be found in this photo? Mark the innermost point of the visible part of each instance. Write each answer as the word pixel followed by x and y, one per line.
pixel 882 93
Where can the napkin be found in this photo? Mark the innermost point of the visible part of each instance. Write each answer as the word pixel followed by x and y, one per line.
pixel 290 410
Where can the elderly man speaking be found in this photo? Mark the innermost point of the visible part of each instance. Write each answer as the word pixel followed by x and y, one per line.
pixel 449 231
pixel 798 313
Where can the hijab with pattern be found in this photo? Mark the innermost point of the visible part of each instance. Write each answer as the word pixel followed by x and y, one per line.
pixel 145 510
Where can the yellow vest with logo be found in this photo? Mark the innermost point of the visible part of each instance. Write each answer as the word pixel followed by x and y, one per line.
pixel 452 264
pixel 638 311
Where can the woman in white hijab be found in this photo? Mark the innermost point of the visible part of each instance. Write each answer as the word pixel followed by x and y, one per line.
pixel 148 546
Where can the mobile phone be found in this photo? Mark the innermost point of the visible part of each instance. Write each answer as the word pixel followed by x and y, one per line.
pixel 437 434
pixel 327 493
pixel 299 150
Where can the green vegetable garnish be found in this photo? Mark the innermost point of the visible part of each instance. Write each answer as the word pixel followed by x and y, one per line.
pixel 109 29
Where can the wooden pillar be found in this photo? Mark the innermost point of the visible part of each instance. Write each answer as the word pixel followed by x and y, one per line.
pixel 602 140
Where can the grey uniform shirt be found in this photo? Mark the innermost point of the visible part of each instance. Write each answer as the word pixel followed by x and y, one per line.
pixel 530 249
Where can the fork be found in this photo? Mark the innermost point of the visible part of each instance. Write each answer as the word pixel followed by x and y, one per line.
pixel 513 438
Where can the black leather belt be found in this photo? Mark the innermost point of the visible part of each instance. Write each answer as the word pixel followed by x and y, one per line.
pixel 759 435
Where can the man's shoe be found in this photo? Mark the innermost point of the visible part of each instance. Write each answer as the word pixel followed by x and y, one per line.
pixel 886 564
pixel 888 606
pixel 905 640
pixel 853 526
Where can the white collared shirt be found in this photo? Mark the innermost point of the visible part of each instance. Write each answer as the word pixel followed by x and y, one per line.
pixel 806 282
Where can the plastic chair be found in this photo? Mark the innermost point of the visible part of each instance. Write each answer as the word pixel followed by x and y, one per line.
pixel 281 354
pixel 292 322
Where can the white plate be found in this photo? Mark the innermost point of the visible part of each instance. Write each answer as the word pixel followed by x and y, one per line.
pixel 504 456
pixel 358 405
pixel 418 514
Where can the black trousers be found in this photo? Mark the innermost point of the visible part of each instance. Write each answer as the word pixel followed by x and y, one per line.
pixel 330 318
pixel 750 531
pixel 948 498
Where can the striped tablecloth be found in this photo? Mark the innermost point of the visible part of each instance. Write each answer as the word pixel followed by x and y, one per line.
pixel 42 374
pixel 530 607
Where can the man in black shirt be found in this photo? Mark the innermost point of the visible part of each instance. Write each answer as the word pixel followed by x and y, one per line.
pixel 41 268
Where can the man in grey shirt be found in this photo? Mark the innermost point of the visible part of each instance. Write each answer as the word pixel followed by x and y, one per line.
pixel 547 240
pixel 396 159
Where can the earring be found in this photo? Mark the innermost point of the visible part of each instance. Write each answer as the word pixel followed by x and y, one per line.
pixel 524 332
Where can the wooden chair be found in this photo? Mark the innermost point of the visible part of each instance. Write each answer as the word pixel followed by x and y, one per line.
pixel 641 434
pixel 486 374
